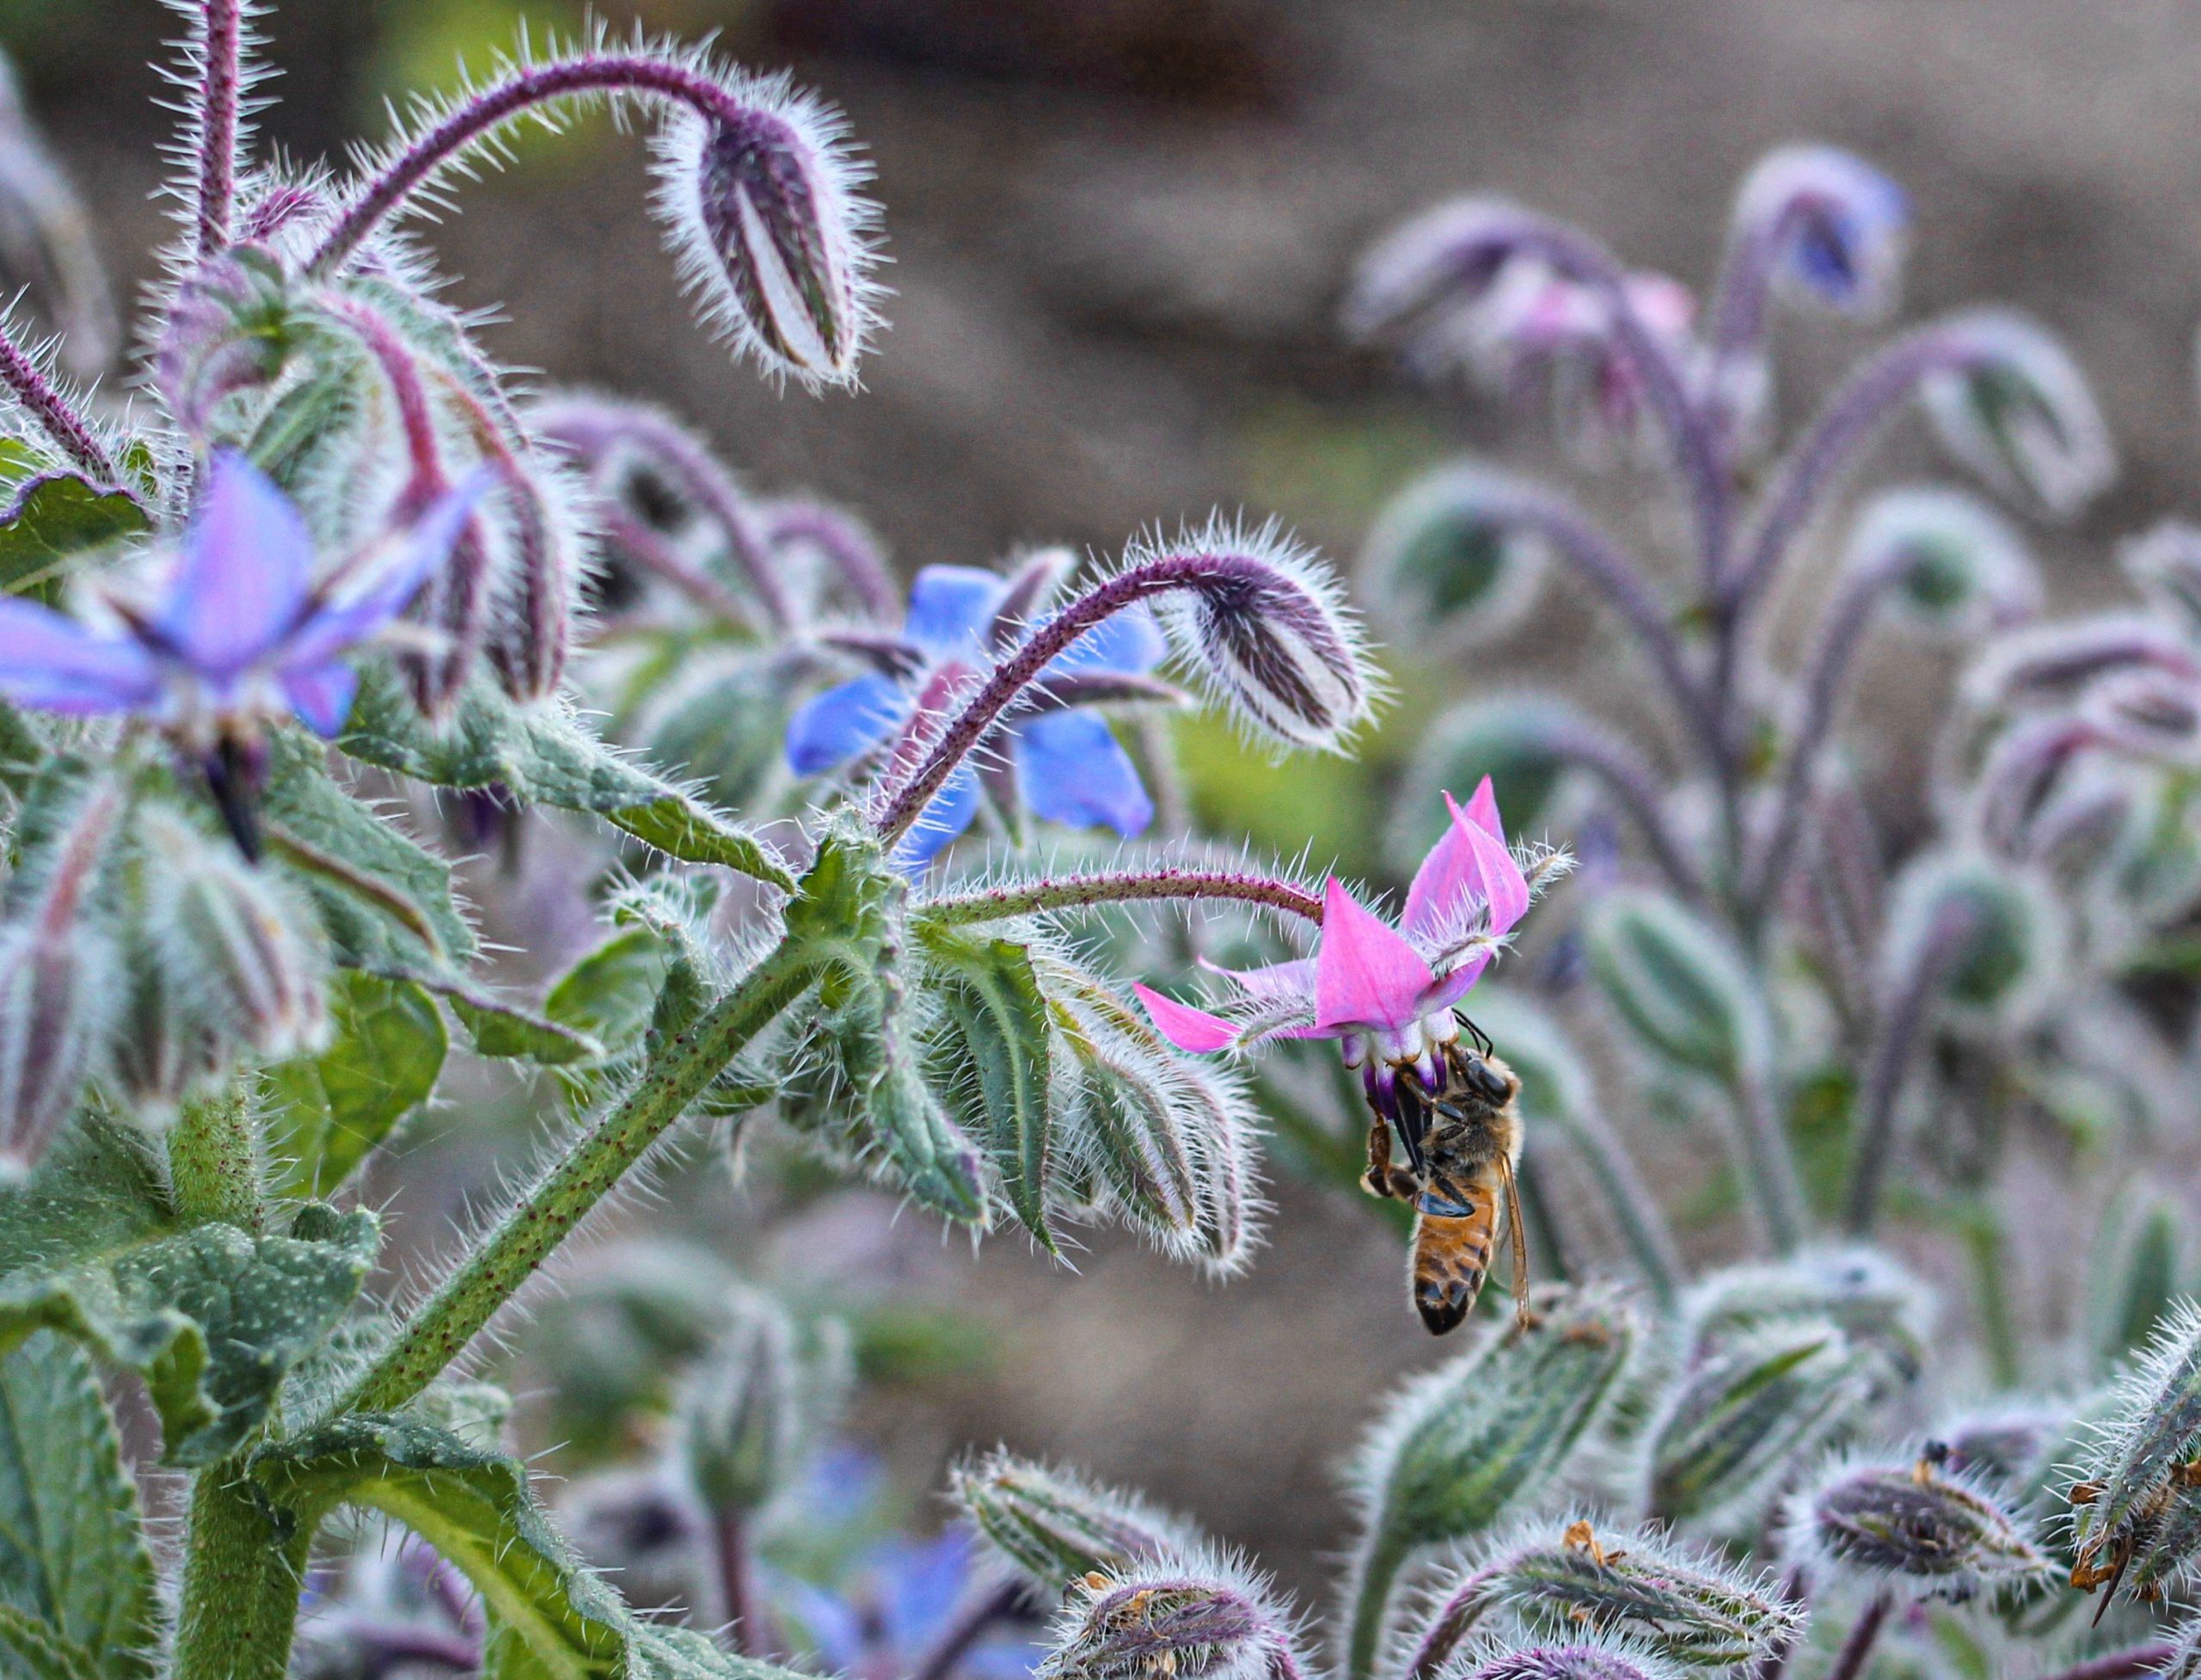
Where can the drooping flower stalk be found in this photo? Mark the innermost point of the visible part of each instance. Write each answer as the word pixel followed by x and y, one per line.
pixel 1130 886
pixel 219 113
pixel 56 418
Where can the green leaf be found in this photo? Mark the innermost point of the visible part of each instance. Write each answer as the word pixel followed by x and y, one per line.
pixel 611 993
pixel 385 900
pixel 386 1047
pixel 56 518
pixel 73 1562
pixel 501 1029
pixel 475 1509
pixel 990 1060
pixel 545 756
pixel 213 1317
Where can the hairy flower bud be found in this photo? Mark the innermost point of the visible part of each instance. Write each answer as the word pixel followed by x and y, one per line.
pixel 233 940
pixel 1678 986
pixel 1876 1302
pixel 1577 1659
pixel 53 995
pixel 2016 410
pixel 1990 937
pixel 742 1421
pixel 1735 1421
pixel 1957 570
pixel 1937 1533
pixel 228 331
pixel 772 228
pixel 1827 226
pixel 2165 563
pixel 2003 1446
pixel 1201 1617
pixel 1264 624
pixel 2138 1501
pixel 1449 572
pixel 1055 1527
pixel 1457 1448
pixel 1682 1604
pixel 2139 1261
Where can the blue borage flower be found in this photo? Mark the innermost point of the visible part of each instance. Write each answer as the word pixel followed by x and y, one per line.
pixel 1067 765
pixel 902 1596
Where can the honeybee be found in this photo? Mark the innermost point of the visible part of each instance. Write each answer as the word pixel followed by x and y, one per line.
pixel 1463 1141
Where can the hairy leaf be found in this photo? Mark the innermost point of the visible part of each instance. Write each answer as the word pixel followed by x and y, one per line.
pixel 73 1560
pixel 991 1058
pixel 56 518
pixel 325 1112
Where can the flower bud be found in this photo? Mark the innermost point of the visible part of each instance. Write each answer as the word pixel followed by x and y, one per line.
pixel 772 230
pixel 1445 259
pixel 54 993
pixel 1264 623
pixel 1992 937
pixel 1457 1448
pixel 1831 225
pixel 1225 1130
pixel 1876 1302
pixel 743 1420
pixel 1737 1420
pixel 2055 662
pixel 2139 1264
pixel 531 629
pixel 226 332
pixel 2138 1499
pixel 1936 1533
pixel 1580 1660
pixel 1684 1604
pixel 2165 563
pixel 1677 985
pixel 2183 1662
pixel 235 940
pixel 1054 1526
pixel 1958 570
pixel 1202 1617
pixel 1448 570
pixel 2017 411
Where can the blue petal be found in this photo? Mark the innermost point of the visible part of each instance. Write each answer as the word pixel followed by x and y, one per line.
pixel 246 564
pixel 1003 1659
pixel 950 605
pixel 835 1626
pixel 836 725
pixel 321 695
pixel 1075 771
pixel 945 818
pixel 1132 641
pixel 922 1586
pixel 374 597
pixel 53 664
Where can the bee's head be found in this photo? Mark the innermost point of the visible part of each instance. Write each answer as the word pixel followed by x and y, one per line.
pixel 1489 1078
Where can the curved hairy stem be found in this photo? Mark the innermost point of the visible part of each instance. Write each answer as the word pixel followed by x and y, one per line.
pixel 221 97
pixel 1614 573
pixel 860 564
pixel 438 1332
pixel 1633 1208
pixel 1866 401
pixel 1846 622
pixel 61 422
pixel 1131 887
pixel 997 1603
pixel 1768 1162
pixel 1624 770
pixel 519 93
pixel 1900 1024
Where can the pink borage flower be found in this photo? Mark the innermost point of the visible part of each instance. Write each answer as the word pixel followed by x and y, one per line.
pixel 1386 994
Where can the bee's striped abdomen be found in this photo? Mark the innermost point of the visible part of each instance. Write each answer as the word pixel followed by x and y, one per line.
pixel 1456 1226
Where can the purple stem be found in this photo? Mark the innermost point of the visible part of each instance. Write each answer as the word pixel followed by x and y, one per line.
pixel 650 549
pixel 1614 571
pixel 1454 1619
pixel 849 546
pixel 221 96
pixel 1850 1662
pixel 1695 457
pixel 730 1541
pixel 1846 622
pixel 61 422
pixel 1025 667
pixel 1900 1023
pixel 591 73
pixel 1865 401
pixel 997 1603
pixel 1616 763
pixel 2128 1664
pixel 1149 886
pixel 593 427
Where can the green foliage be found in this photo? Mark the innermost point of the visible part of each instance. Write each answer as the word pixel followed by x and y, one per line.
pixel 326 1112
pixel 76 1593
pixel 212 1316
pixel 992 1053
pixel 56 520
pixel 544 755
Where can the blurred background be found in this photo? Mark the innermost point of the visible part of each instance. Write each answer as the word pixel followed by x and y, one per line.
pixel 1119 230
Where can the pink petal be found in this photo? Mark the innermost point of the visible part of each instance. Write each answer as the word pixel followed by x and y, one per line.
pixel 1187 1028
pixel 1450 881
pixel 1275 983
pixel 1455 985
pixel 1365 974
pixel 1482 810
pixel 1504 885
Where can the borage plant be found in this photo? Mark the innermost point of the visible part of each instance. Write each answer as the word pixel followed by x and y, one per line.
pixel 327 555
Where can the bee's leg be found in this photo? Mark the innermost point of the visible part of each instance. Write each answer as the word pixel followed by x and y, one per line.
pixel 1518 1232
pixel 1383 1177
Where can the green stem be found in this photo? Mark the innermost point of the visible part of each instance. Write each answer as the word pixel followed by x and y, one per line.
pixel 440 1330
pixel 1769 1164
pixel 214 1159
pixel 1983 1241
pixel 1371 1597
pixel 241 1582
